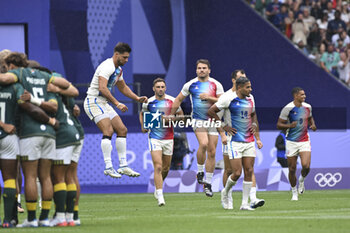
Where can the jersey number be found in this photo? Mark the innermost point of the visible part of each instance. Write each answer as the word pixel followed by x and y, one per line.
pixel 244 114
pixel 38 93
pixel 69 121
pixel 2 112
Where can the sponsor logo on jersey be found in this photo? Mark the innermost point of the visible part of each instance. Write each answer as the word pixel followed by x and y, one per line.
pixel 36 81
pixel 5 95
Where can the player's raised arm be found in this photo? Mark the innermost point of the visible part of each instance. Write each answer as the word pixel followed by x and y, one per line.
pixel 125 90
pixel 71 91
pixel 8 78
pixel 60 82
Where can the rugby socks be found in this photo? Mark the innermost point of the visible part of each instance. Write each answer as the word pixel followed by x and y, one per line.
pixel 209 177
pixel 59 196
pixel 15 210
pixel 252 194
pixel 106 147
pixel 76 212
pixel 159 192
pixel 120 145
pixel 46 206
pixel 200 167
pixel 247 185
pixel 9 197
pixel 229 184
pixel 31 208
pixel 301 178
pixel 71 195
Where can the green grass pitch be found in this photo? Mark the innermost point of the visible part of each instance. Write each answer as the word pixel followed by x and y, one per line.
pixel 316 211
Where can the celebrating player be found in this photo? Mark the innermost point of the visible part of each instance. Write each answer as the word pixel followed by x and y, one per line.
pixel 108 74
pixel 204 92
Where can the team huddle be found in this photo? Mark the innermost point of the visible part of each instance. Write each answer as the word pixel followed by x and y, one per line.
pixel 38 122
pixel 39 128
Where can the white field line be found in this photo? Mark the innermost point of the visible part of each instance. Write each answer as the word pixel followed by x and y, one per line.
pixel 327 217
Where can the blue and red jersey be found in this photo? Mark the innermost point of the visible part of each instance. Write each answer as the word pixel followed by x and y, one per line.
pixel 301 115
pixel 194 88
pixel 239 112
pixel 164 107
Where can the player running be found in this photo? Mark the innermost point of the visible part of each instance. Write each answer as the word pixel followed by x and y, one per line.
pixel 296 117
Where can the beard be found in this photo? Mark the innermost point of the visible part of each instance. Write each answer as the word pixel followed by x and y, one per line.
pixel 203 76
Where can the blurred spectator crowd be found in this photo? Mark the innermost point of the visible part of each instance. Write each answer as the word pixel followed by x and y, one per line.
pixel 319 28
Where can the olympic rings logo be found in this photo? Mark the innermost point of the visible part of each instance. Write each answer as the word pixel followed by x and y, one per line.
pixel 328 179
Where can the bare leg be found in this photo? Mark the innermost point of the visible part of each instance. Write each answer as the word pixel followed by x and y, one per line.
pixel 210 162
pixel 292 166
pixel 227 169
pixel 166 165
pixel 203 140
pixel 157 164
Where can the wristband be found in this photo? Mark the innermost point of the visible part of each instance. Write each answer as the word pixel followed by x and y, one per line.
pixel 223 124
pixel 254 124
pixel 118 104
pixel 35 101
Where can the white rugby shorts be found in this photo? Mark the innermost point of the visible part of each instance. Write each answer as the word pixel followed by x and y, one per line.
pixel 38 147
pixel 9 147
pixel 77 151
pixel 167 146
pixel 64 155
pixel 209 130
pixel 97 108
pixel 237 150
pixel 293 148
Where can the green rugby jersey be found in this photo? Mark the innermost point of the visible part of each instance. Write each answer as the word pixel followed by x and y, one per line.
pixel 66 134
pixel 35 82
pixel 9 96
pixel 70 102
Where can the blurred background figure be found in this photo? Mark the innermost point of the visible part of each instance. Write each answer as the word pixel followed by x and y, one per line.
pixel 280 145
pixel 181 149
